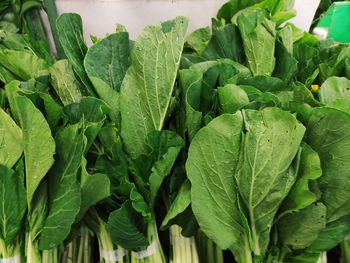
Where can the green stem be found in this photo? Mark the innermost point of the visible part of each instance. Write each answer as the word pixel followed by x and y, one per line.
pixel 51 10
pixel 32 250
pixel 248 253
pixel 345 250
pixel 153 253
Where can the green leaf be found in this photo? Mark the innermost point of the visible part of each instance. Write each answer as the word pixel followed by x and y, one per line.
pixel 191 86
pixel 331 236
pixel 181 202
pixel 10 140
pixel 212 159
pixel 70 34
pixel 23 64
pixel 232 98
pixel 258 35
pixel 64 82
pixel 302 195
pixel 271 141
pixel 225 43
pixel 198 39
pixel 149 82
pixel 65 191
pixel 299 230
pixel 286 65
pixel 126 228
pixel 168 145
pixel 328 133
pixel 106 63
pixel 109 60
pixel 95 188
pixel 38 144
pixel 334 88
pixel 12 204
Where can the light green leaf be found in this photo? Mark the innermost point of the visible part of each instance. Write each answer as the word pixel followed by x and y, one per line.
pixel 11 146
pixel 301 195
pixel 23 64
pixel 198 39
pixel 334 88
pixel 258 35
pixel 232 98
pixel 65 191
pixel 12 204
pixel 64 82
pixel 271 141
pixel 191 85
pixel 149 82
pixel 38 144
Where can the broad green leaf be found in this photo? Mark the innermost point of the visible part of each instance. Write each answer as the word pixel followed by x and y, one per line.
pixel 65 191
pixel 232 98
pixel 149 82
pixel 95 188
pixel 11 146
pixel 299 230
pixel 198 39
pixel 328 133
pixel 331 236
pixel 109 60
pixel 23 64
pixel 301 195
pixel 12 204
pixel 225 43
pixel 334 88
pixel 70 34
pixel 210 166
pixel 271 141
pixel 258 35
pixel 38 144
pixel 126 228
pixel 181 202
pixel 63 80
pixel 106 63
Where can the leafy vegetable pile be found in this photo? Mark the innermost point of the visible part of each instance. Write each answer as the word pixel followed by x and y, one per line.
pixel 174 147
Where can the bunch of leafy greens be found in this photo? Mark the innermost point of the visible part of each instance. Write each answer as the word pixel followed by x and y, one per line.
pixel 170 148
